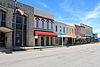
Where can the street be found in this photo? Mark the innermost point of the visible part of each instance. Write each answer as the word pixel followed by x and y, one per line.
pixel 75 56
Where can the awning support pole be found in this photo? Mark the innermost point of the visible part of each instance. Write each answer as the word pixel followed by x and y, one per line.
pixel 62 41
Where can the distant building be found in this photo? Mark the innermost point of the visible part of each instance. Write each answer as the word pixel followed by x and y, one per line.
pixel 61 30
pixel 88 31
pixel 98 36
pixel 79 31
pixel 70 30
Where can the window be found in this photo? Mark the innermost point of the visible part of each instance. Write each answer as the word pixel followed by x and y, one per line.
pixel 19 19
pixel 72 31
pixel 42 23
pixel 37 23
pixel 47 25
pixel 60 29
pixel 21 30
pixel 63 29
pixel 3 18
pixel 56 28
pixel 51 26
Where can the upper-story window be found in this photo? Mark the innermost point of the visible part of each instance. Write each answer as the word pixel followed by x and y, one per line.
pixel 37 23
pixel 56 28
pixel 63 29
pixel 2 18
pixel 72 30
pixel 42 23
pixel 47 25
pixel 60 29
pixel 51 25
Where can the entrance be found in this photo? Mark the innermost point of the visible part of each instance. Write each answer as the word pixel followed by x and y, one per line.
pixel 51 41
pixel 2 23
pixel 36 42
pixel 21 31
pixel 47 41
pixel 42 41
pixel 2 39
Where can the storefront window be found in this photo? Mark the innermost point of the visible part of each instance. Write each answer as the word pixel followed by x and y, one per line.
pixel 21 30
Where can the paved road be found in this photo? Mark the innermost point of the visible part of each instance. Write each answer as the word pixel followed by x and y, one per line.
pixel 76 56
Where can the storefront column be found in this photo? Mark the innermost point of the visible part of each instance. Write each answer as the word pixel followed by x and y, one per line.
pixel 62 42
pixel 45 41
pixel 53 40
pixel 66 41
pixel 8 38
pixel 8 42
pixel 39 40
pixel 50 41
pixel 72 41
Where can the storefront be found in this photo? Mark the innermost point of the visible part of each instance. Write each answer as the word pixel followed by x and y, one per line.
pixel 43 38
pixel 20 30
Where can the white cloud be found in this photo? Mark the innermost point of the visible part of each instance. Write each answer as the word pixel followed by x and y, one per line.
pixel 68 7
pixel 90 17
pixel 42 4
pixel 93 14
pixel 96 30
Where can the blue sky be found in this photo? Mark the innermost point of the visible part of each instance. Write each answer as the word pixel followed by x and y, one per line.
pixel 71 11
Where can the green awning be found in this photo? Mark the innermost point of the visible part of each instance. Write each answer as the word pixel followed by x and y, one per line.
pixel 5 29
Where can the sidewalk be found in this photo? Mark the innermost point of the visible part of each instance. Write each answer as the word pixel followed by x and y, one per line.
pixel 4 50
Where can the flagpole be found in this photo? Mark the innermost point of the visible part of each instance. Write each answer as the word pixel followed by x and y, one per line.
pixel 14 24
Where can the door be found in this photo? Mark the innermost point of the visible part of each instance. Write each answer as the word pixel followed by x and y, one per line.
pixel 51 41
pixel 42 41
pixel 18 38
pixel 2 23
pixel 36 42
pixel 47 41
pixel 2 39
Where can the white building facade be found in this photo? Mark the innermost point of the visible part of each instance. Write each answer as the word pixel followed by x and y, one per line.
pixel 61 30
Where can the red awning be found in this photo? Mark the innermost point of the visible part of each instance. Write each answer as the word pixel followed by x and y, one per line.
pixel 41 33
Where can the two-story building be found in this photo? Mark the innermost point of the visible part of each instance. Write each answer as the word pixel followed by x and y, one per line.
pixel 61 30
pixel 79 31
pixel 71 34
pixel 43 28
pixel 88 30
